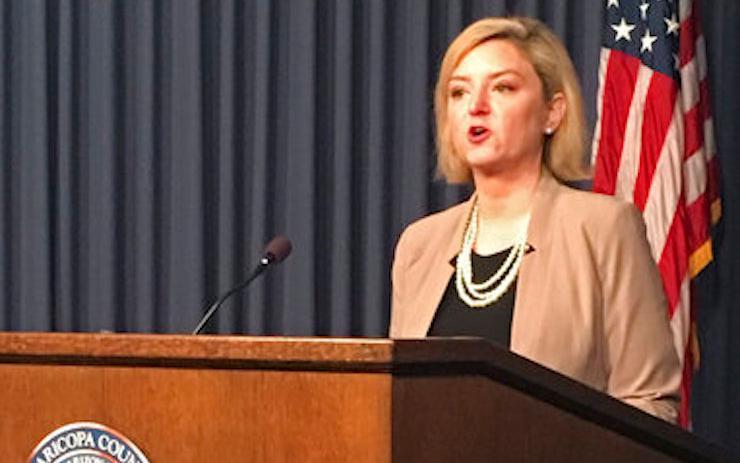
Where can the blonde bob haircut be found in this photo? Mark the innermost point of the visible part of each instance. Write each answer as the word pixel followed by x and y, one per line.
pixel 563 151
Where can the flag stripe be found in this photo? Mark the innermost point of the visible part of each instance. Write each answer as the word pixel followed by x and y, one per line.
pixel 665 189
pixel 682 319
pixel 709 148
pixel 618 87
pixel 657 116
pixel 704 107
pixel 689 31
pixel 694 133
pixel 630 156
pixel 689 75
pixel 687 38
pixel 603 60
pixel 685 9
pixel 695 176
pixel 674 260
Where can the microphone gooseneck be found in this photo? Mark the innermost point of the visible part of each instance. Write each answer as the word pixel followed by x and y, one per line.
pixel 275 252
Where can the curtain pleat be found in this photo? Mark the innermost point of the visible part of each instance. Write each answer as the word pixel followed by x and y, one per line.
pixel 140 168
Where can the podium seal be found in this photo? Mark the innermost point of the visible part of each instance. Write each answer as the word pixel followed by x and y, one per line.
pixel 86 442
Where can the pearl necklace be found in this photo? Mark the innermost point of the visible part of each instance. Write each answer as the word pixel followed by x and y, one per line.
pixel 483 294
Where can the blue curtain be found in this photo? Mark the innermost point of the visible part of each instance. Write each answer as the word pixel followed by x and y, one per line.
pixel 151 147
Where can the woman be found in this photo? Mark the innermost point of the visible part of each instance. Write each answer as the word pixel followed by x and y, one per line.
pixel 562 277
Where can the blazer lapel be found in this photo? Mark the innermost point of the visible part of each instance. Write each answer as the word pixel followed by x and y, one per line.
pixel 538 239
pixel 440 273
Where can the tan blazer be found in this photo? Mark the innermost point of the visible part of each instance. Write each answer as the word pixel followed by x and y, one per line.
pixel 589 300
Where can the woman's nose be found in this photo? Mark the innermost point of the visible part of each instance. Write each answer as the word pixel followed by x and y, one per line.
pixel 479 102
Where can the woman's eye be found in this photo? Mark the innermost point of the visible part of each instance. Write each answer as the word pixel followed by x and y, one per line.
pixel 502 88
pixel 456 93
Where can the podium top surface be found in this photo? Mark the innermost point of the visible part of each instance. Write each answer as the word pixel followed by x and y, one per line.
pixel 214 349
pixel 363 354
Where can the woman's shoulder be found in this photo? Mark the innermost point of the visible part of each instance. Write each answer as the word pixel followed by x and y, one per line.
pixel 595 209
pixel 444 218
pixel 428 230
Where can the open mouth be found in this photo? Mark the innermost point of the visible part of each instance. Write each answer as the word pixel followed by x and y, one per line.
pixel 478 133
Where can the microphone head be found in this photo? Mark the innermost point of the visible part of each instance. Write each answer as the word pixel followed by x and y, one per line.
pixel 277 249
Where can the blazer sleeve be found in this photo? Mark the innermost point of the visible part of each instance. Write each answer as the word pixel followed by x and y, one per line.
pixel 643 365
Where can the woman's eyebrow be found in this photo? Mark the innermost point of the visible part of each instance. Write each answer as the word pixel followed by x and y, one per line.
pixel 492 75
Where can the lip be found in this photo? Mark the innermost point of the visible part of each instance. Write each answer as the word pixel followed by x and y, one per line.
pixel 478 134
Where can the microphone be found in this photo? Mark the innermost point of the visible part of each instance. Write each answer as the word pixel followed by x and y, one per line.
pixel 275 252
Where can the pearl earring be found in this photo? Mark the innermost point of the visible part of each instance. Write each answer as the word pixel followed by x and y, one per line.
pixel 548 131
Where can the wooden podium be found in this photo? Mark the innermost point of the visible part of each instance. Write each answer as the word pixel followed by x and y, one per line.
pixel 261 399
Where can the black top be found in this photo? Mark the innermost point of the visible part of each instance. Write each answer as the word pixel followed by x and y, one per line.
pixel 455 318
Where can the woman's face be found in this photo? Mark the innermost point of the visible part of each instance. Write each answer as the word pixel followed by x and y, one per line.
pixel 496 110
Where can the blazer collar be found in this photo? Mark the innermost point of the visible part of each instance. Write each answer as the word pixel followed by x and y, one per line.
pixel 538 235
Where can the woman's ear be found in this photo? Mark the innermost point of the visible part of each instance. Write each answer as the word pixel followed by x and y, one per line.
pixel 556 108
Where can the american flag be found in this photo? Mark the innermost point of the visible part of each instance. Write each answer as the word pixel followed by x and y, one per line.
pixel 654 146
